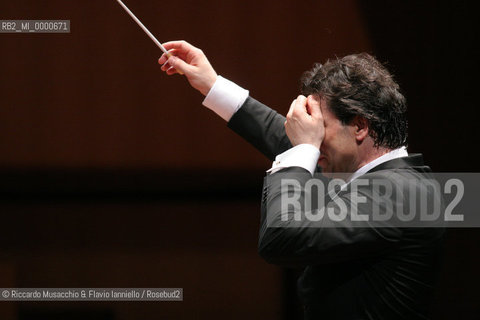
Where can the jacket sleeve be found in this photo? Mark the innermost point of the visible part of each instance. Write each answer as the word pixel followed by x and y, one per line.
pixel 262 127
pixel 287 241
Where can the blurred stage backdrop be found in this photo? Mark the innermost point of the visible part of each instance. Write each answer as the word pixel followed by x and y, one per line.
pixel 112 174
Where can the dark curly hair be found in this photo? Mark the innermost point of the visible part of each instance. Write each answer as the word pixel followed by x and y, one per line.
pixel 359 85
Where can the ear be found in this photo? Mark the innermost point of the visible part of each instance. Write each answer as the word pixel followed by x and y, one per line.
pixel 360 125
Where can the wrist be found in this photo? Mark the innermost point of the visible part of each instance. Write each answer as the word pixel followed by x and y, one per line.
pixel 225 98
pixel 304 155
pixel 210 81
pixel 313 143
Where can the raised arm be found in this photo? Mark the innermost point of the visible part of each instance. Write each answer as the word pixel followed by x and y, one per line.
pixel 252 120
pixel 262 127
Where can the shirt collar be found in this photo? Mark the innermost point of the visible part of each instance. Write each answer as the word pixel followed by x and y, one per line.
pixel 394 154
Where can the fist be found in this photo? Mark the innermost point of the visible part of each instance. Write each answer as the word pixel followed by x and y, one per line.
pixel 304 122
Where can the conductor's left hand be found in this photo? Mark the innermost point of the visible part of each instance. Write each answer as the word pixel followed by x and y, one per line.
pixel 304 122
pixel 192 62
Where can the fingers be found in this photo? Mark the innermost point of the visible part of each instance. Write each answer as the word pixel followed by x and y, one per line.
pixel 181 56
pixel 313 106
pixel 173 60
pixel 178 48
pixel 171 71
pixel 297 108
pixel 174 52
pixel 290 110
pixel 181 45
pixel 173 63
pixel 164 57
pixel 179 65
pixel 304 124
pixel 301 103
pixel 190 61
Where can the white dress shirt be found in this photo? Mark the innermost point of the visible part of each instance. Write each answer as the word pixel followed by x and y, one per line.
pixel 226 97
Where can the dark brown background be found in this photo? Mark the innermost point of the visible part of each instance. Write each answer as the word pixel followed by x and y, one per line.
pixel 113 174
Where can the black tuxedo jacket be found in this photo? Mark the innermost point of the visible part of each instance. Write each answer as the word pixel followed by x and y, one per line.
pixel 349 273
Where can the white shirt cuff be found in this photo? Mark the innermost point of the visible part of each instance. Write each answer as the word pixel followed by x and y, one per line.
pixel 225 98
pixel 303 155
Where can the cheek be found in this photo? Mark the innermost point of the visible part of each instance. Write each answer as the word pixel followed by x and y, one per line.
pixel 330 140
pixel 327 138
pixel 335 143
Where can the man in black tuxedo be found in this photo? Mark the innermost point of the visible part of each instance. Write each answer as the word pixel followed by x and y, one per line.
pixel 350 119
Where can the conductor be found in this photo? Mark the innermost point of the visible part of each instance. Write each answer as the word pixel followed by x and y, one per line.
pixel 350 118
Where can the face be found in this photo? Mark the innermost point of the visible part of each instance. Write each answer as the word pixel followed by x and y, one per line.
pixel 339 146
